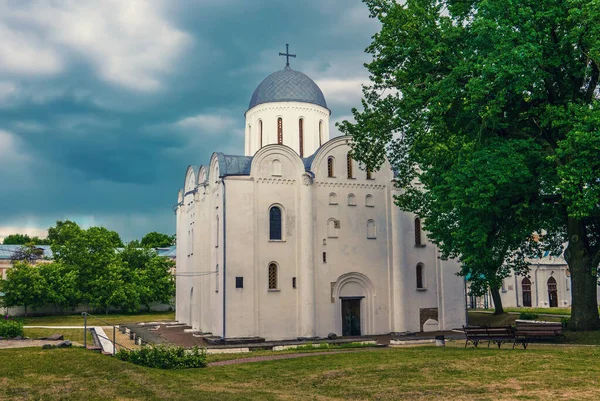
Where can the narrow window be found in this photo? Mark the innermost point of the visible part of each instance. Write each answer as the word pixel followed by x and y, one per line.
pixel 301 136
pixel 371 230
pixel 330 162
pixel 239 282
pixel 217 232
pixel 552 293
pixel 351 200
pixel 320 133
pixel 420 283
pixel 369 174
pixel 293 282
pixel 333 199
pixel 369 202
pixel 272 276
pixel 349 165
pixel 526 284
pixel 192 241
pixel 260 130
pixel 217 279
pixel 280 131
pixel 275 223
pixel 324 257
pixel 418 231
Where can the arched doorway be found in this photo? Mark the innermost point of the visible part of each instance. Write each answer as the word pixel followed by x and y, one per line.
pixel 353 296
pixel 552 293
pixel 191 307
pixel 526 285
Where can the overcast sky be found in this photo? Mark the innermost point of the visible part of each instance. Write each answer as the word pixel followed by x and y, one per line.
pixel 104 103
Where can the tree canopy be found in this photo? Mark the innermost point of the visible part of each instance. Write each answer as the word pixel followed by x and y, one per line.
pixel 22 239
pixel 489 113
pixel 157 240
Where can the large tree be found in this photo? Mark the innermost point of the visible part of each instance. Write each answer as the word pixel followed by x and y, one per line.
pixel 157 240
pixel 22 239
pixel 24 286
pixel 512 86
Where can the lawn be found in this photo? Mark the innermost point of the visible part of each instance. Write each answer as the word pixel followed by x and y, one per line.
pixel 382 374
pixel 69 334
pixel 77 320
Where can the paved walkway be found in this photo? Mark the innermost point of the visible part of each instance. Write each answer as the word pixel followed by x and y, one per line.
pixel 284 356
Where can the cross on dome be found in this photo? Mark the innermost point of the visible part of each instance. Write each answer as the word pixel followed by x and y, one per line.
pixel 287 55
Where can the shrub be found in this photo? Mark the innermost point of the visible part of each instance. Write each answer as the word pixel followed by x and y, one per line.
pixel 165 357
pixel 528 316
pixel 10 327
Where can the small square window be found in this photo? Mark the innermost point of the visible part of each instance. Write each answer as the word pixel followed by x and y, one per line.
pixel 239 282
pixel 293 282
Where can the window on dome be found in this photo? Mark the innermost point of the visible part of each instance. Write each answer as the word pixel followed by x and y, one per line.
pixel 260 132
pixel 349 165
pixel 280 131
pixel 301 136
pixel 321 133
pixel 330 163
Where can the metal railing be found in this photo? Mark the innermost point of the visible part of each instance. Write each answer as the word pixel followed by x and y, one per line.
pixel 114 339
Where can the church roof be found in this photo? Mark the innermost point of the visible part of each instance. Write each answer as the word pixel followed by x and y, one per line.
pixel 6 251
pixel 287 86
pixel 233 165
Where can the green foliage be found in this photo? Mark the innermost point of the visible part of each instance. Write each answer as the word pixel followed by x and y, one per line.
pixel 528 316
pixel 164 357
pixel 10 327
pixel 24 286
pixel 28 253
pixel 22 239
pixel 157 240
pixel 489 113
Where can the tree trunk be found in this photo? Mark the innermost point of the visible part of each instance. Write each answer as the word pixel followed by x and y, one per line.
pixel 498 309
pixel 584 304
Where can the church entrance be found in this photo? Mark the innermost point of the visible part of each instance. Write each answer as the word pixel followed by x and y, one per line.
pixel 351 316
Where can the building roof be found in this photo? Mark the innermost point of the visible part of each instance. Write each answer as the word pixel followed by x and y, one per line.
pixel 287 86
pixel 233 165
pixel 6 251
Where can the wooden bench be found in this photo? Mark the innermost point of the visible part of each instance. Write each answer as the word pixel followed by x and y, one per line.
pixel 496 334
pixel 528 331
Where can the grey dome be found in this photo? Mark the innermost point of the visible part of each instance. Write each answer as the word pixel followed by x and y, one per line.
pixel 287 86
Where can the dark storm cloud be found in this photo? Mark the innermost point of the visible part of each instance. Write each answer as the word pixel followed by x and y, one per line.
pixel 100 127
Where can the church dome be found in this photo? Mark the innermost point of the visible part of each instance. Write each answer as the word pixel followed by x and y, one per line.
pixel 287 86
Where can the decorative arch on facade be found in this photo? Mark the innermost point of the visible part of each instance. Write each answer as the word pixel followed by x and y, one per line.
pixel 351 200
pixel 355 285
pixel 369 201
pixel 371 229
pixel 332 228
pixel 333 198
pixel 276 167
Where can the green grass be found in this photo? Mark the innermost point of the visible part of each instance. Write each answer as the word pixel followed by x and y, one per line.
pixel 69 334
pixel 542 311
pixel 420 373
pixel 77 320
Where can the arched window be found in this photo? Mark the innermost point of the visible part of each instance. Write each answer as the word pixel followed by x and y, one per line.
pixel 552 292
pixel 301 136
pixel 349 165
pixel 330 166
pixel 332 228
pixel 333 199
pixel 420 278
pixel 369 174
pixel 276 168
pixel 351 200
pixel 217 279
pixel 320 133
pixel 275 223
pixel 369 202
pixel 272 276
pixel 418 232
pixel 260 132
pixel 371 230
pixel 280 131
pixel 526 285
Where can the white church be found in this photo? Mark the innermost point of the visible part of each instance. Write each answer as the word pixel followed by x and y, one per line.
pixel 295 240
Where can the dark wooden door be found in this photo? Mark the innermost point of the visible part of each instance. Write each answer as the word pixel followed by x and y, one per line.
pixel 351 317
